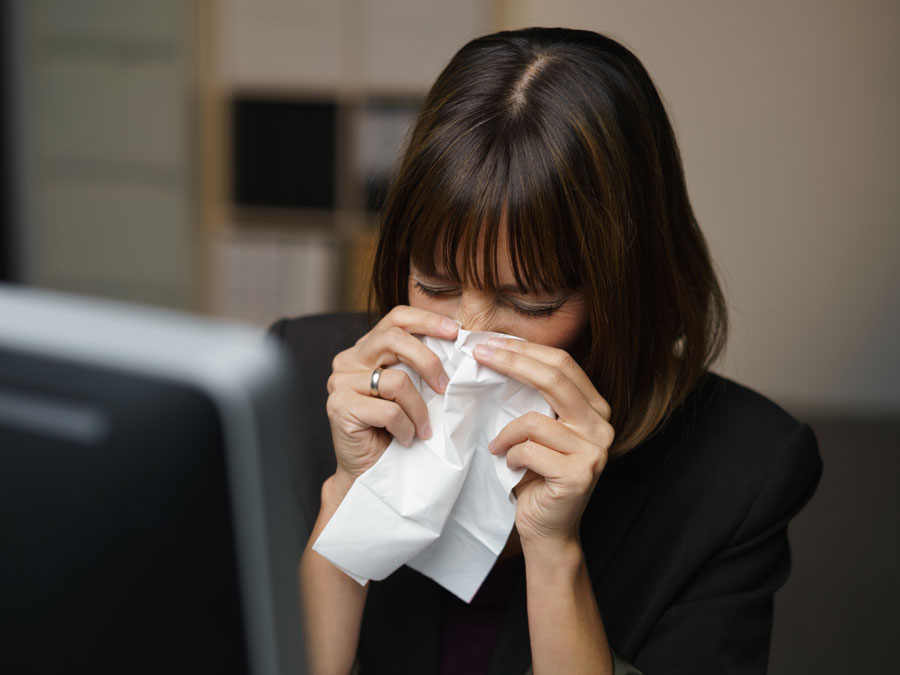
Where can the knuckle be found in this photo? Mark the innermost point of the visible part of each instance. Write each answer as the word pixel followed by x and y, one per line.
pixel 403 385
pixel 520 451
pixel 583 478
pixel 557 377
pixel 598 460
pixel 397 314
pixel 532 421
pixel 332 406
pixel 604 409
pixel 393 414
pixel 609 434
pixel 407 430
pixel 394 334
pixel 396 379
pixel 516 456
pixel 562 359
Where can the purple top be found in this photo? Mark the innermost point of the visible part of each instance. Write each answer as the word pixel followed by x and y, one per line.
pixel 470 632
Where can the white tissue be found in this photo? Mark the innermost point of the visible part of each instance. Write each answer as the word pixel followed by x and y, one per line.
pixel 443 506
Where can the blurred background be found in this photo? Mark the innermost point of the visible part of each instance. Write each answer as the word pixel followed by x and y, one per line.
pixel 229 157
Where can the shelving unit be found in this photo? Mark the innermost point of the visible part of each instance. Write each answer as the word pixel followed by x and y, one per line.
pixel 372 62
pixel 129 146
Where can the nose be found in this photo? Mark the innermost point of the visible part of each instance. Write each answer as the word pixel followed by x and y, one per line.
pixel 476 311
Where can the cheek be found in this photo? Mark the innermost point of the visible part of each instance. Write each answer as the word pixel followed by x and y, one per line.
pixel 561 335
pixel 561 330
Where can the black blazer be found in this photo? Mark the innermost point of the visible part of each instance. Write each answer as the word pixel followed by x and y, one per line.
pixel 685 537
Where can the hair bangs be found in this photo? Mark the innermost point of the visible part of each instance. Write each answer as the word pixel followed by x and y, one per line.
pixel 542 226
pixel 467 201
pixel 455 233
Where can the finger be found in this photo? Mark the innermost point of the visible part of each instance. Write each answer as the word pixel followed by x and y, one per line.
pixel 561 359
pixel 538 458
pixel 368 411
pixel 544 430
pixel 564 397
pixel 396 386
pixel 554 467
pixel 396 345
pixel 419 322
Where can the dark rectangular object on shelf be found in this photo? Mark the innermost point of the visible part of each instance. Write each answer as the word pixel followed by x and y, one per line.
pixel 283 153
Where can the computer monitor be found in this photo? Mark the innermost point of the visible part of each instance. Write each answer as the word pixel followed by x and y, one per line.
pixel 146 516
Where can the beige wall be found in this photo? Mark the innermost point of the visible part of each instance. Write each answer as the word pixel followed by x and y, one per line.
pixel 787 115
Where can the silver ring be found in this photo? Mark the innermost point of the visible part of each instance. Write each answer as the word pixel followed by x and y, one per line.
pixel 374 380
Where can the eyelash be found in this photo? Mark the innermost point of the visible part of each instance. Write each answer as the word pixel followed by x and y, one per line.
pixel 438 292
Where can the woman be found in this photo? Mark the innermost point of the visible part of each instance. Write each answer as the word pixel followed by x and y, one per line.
pixel 542 195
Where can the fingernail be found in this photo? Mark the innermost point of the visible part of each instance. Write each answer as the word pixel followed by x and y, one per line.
pixel 497 342
pixel 426 432
pixel 443 382
pixel 491 445
pixel 483 351
pixel 449 325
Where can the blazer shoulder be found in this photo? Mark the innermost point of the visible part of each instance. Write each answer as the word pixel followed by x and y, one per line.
pixel 744 408
pixel 705 505
pixel 779 454
pixel 722 446
pixel 725 419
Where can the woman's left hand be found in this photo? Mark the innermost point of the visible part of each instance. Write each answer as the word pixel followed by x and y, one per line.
pixel 564 456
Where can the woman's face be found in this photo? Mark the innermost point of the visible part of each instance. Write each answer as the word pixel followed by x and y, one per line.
pixel 555 319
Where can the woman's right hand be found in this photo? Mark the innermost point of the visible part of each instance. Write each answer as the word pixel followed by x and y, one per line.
pixel 362 424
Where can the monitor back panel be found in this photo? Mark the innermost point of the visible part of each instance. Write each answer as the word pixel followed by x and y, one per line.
pixel 118 552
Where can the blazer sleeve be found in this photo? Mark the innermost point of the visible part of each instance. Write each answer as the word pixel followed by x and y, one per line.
pixel 721 624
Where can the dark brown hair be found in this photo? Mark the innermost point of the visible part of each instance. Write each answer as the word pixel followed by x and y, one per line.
pixel 560 135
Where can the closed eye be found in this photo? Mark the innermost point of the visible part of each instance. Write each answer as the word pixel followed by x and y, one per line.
pixel 434 292
pixel 526 310
pixel 545 310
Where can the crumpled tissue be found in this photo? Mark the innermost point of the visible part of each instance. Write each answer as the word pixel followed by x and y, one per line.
pixel 444 506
